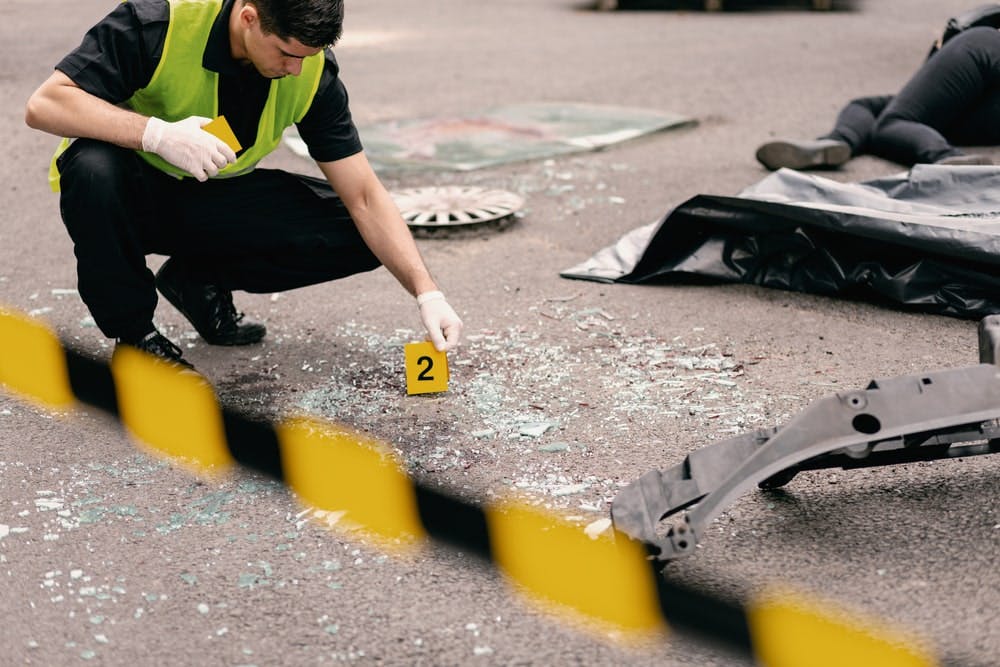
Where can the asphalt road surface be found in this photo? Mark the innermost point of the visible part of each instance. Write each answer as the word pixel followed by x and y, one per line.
pixel 110 556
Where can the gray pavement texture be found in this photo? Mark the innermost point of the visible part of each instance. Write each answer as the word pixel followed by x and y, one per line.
pixel 111 556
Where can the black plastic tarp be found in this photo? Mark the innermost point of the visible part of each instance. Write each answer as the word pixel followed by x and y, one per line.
pixel 927 240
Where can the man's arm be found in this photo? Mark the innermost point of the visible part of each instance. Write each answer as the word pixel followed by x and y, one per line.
pixel 382 227
pixel 62 108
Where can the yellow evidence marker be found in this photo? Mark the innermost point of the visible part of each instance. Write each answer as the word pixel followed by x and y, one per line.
pixel 426 368
pixel 220 128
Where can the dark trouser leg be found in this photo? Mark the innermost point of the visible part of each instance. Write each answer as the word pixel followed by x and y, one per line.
pixel 856 122
pixel 939 97
pixel 265 231
pixel 849 137
pixel 101 203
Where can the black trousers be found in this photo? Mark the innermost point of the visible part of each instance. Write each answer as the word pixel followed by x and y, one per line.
pixel 265 231
pixel 952 100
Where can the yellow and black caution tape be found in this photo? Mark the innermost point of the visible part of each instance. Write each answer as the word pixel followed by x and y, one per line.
pixel 610 580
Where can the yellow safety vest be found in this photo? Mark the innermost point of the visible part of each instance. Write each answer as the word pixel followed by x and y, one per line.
pixel 181 87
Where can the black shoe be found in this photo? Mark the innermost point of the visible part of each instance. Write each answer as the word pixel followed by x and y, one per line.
pixel 158 345
pixel 803 154
pixel 209 308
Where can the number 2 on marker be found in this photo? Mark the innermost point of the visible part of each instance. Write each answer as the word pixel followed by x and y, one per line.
pixel 425 375
pixel 426 369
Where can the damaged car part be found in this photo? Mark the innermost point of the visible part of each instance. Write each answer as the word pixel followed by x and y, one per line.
pixel 932 415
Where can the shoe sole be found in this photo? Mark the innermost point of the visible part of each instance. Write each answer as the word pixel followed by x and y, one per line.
pixel 778 154
pixel 965 161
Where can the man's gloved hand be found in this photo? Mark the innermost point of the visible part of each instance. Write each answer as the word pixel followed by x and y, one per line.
pixel 442 323
pixel 186 146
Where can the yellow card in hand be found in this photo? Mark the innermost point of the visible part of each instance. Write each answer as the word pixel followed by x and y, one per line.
pixel 220 128
pixel 426 368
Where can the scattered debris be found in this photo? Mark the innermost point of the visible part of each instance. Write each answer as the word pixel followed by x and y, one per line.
pixel 536 429
pixel 595 528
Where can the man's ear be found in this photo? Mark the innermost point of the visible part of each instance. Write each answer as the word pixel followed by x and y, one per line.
pixel 248 14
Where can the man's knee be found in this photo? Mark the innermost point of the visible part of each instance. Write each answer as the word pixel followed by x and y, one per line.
pixel 885 125
pixel 89 161
pixel 97 183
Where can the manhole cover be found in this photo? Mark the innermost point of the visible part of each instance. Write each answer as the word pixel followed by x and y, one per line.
pixel 454 205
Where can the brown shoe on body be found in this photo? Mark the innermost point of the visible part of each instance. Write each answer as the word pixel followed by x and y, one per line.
pixel 811 154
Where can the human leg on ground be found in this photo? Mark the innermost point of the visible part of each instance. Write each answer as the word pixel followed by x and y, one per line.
pixel 945 94
pixel 856 122
pixel 848 138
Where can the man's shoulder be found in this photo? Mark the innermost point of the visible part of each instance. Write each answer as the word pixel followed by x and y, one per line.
pixel 149 11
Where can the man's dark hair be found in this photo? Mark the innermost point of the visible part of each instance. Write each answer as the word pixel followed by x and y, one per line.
pixel 315 23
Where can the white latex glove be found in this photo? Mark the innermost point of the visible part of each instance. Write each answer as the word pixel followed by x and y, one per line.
pixel 442 323
pixel 186 146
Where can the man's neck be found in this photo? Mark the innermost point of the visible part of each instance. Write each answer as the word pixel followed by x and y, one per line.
pixel 236 29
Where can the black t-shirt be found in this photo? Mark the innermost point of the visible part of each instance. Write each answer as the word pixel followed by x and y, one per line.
pixel 119 55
